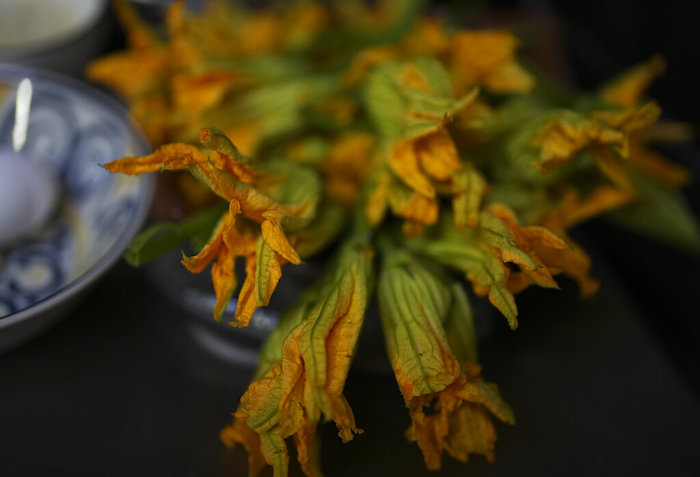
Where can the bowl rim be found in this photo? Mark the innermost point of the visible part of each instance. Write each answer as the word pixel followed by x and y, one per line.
pixel 42 48
pixel 147 186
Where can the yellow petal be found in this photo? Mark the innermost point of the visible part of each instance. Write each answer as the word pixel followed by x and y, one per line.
pixel 429 38
pixel 561 140
pixel 378 198
pixel 486 58
pixel 261 33
pixel 139 35
pixel 430 431
pixel 227 157
pixel 573 260
pixel 199 262
pixel 247 302
pixel 413 302
pixel 411 77
pixel 260 402
pixel 275 452
pixel 658 167
pixel 246 136
pixel 329 337
pixel 404 162
pixel 437 155
pixel 420 209
pixel 307 449
pixel 456 420
pixel 259 410
pixel 510 78
pixel 629 120
pixel 196 93
pixel 527 239
pixel 627 89
pixel 223 276
pixel 292 414
pixel 575 263
pixel 219 182
pixel 477 54
pixel 303 24
pixel 349 164
pixel 468 189
pixel 238 432
pixel 274 235
pixel 131 73
pixel 574 210
pixel 365 60
pixel 141 68
pixel 413 206
pixel 472 433
pixel 263 271
pixel 169 156
pixel 268 272
pixel 611 166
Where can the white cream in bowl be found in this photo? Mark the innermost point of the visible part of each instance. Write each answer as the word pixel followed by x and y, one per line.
pixel 29 195
pixel 58 35
pixel 29 24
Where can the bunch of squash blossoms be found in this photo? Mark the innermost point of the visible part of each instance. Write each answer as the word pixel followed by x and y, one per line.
pixel 423 159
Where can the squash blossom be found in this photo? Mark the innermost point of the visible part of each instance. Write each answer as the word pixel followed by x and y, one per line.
pixel 421 158
pixel 447 399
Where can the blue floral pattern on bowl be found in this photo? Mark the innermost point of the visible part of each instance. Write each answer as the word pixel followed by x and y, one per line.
pixel 72 130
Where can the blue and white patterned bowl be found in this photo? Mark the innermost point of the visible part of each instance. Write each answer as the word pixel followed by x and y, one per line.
pixel 73 128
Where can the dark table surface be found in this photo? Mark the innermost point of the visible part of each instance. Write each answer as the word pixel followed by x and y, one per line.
pixel 121 387
pixel 604 387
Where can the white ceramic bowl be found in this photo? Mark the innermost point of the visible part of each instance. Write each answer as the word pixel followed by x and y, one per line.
pixel 72 129
pixel 59 35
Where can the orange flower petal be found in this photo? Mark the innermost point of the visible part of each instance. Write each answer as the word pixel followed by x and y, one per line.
pixel 627 89
pixel 658 167
pixel 415 207
pixel 560 141
pixel 404 162
pixel 170 156
pixel 437 155
pixel 274 235
pixel 199 262
pixel 247 303
pixel 378 199
pixel 238 432
pixel 510 78
pixel 468 189
pixel 223 275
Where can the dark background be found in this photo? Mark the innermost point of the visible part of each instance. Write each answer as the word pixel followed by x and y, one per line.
pixel 603 38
